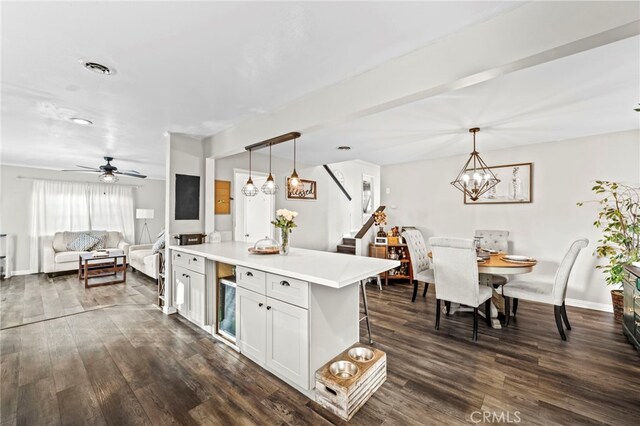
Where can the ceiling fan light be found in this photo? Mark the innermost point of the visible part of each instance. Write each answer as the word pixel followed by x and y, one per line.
pixel 108 178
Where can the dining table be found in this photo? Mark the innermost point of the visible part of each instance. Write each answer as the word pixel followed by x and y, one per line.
pixel 496 265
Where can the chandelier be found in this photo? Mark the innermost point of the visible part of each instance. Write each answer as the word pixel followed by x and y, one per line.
pixel 476 177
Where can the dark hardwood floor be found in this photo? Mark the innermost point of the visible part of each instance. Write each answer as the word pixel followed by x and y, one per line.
pixel 107 356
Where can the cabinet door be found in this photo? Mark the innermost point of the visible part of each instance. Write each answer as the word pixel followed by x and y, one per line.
pixel 197 298
pixel 250 326
pixel 181 289
pixel 288 341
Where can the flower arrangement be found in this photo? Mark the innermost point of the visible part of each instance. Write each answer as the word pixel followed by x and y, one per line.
pixel 285 221
pixel 379 218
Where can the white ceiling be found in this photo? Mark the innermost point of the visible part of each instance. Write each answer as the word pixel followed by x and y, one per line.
pixel 194 68
pixel 589 93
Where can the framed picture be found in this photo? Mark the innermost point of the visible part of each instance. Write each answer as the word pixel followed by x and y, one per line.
pixel 515 187
pixel 380 241
pixel 309 191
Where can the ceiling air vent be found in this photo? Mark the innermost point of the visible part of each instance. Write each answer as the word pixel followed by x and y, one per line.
pixel 98 68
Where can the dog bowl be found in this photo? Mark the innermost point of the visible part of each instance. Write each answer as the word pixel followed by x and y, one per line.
pixel 361 354
pixel 343 369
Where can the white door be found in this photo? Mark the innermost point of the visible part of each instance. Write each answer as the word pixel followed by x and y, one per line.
pixel 250 326
pixel 288 341
pixel 181 289
pixel 252 215
pixel 197 298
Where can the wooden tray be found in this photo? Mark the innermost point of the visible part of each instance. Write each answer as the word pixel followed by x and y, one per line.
pixel 269 251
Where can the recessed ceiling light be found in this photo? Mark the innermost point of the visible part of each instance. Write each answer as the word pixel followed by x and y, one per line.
pixel 344 148
pixel 98 68
pixel 82 121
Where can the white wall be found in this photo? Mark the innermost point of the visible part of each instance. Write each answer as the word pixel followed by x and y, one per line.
pixel 186 157
pixel 16 205
pixel 420 195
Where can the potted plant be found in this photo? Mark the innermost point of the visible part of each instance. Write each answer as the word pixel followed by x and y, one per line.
pixel 619 219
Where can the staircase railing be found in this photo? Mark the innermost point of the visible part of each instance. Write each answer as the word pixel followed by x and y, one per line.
pixel 335 179
pixel 368 224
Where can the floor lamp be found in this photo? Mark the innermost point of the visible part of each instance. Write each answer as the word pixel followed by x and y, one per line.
pixel 144 214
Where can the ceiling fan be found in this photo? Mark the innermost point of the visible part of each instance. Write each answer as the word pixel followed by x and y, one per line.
pixel 108 172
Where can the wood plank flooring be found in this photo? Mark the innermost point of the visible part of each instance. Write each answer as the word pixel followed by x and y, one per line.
pixel 106 356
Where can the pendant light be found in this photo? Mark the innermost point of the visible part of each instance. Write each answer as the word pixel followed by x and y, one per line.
pixel 295 183
pixel 476 177
pixel 270 187
pixel 249 189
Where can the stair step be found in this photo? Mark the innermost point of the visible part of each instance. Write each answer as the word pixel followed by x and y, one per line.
pixel 349 241
pixel 347 249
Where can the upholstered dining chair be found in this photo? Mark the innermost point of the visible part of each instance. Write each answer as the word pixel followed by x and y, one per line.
pixel 455 264
pixel 422 273
pixel 495 240
pixel 552 293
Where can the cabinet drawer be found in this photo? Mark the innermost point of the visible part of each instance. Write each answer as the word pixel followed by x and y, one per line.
pixel 251 279
pixel 288 290
pixel 196 263
pixel 180 259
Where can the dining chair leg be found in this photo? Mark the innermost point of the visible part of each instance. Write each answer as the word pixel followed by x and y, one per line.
pixel 447 306
pixel 475 324
pixel 507 309
pixel 426 288
pixel 437 314
pixel 487 311
pixel 557 310
pixel 515 306
pixel 564 316
pixel 415 290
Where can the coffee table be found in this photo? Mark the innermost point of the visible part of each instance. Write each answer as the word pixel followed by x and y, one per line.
pixel 92 266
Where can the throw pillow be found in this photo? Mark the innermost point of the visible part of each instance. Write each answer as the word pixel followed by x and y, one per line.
pixel 102 240
pixel 159 244
pixel 84 242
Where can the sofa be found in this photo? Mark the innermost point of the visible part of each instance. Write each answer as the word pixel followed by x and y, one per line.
pixel 58 258
pixel 142 258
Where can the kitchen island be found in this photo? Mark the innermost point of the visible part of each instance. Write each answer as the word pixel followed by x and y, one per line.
pixel 292 313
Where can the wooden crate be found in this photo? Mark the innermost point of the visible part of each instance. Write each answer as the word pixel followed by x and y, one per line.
pixel 344 397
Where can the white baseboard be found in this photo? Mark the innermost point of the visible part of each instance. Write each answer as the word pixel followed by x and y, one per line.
pixel 605 307
pixel 22 272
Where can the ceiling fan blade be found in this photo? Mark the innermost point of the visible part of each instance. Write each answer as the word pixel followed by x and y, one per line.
pixel 130 174
pixel 84 171
pixel 130 171
pixel 86 167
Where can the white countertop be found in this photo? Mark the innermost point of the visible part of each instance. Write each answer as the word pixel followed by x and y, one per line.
pixel 330 269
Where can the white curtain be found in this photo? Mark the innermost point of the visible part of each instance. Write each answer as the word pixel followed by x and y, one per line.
pixel 69 206
pixel 111 209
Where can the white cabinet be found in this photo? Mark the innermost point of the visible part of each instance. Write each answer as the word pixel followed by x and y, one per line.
pixel 197 297
pixel 251 329
pixel 288 341
pixel 181 289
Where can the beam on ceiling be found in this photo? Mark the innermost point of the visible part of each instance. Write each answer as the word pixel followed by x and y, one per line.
pixel 529 35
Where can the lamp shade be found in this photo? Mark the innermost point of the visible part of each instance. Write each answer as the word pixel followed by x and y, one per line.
pixel 144 213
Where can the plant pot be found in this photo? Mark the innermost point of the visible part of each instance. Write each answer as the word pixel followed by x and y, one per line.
pixel 617 298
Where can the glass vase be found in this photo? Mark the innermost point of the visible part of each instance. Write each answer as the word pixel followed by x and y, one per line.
pixel 284 242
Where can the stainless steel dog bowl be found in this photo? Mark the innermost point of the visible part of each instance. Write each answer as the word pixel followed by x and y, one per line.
pixel 361 354
pixel 343 369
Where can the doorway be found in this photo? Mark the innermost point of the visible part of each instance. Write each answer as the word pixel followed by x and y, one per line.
pixel 252 216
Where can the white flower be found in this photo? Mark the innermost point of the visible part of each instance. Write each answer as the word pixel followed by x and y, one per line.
pixel 294 214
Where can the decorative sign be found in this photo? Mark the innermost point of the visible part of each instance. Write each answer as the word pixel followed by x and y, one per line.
pixel 307 192
pixel 515 187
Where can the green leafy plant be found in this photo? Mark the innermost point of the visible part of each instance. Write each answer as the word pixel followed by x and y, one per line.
pixel 619 220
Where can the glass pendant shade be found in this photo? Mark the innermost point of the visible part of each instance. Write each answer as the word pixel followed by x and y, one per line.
pixel 270 187
pixel 108 178
pixel 476 177
pixel 295 183
pixel 249 189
